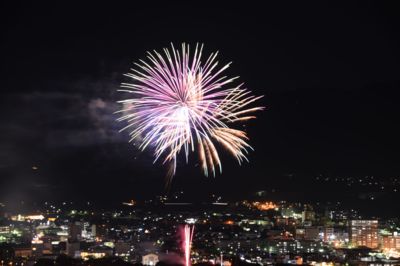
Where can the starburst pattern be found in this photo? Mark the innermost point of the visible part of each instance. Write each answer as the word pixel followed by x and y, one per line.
pixel 181 103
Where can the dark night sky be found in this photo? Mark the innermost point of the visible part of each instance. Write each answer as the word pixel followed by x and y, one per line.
pixel 329 73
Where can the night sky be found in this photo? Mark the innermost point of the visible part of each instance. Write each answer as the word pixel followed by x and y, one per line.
pixel 330 75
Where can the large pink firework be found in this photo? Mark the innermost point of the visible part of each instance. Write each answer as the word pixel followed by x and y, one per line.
pixel 180 102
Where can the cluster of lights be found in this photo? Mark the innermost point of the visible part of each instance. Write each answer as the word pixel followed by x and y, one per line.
pixel 265 206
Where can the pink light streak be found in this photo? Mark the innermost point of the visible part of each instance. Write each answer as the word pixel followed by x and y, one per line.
pixel 187 242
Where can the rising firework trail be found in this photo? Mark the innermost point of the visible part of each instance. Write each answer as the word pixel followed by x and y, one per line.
pixel 187 242
pixel 180 102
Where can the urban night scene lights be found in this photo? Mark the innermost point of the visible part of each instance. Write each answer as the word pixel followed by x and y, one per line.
pixel 224 133
pixel 181 101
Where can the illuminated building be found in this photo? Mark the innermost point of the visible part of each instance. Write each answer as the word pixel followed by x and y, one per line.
pixel 150 259
pixel 21 218
pixel 88 231
pixel 5 229
pixel 23 252
pixel 282 221
pixel 338 236
pixel 328 234
pixel 294 246
pixel 257 222
pixel 85 255
pixel 264 206
pixel 5 233
pixel 10 234
pixel 364 233
pixel 307 216
pixel 290 212
pixel 299 233
pixel 298 260
pixel 96 252
pixel 391 242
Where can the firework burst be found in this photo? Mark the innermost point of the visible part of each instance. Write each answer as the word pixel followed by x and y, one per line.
pixel 181 103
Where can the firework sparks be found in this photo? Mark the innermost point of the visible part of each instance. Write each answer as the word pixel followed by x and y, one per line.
pixel 187 242
pixel 179 102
